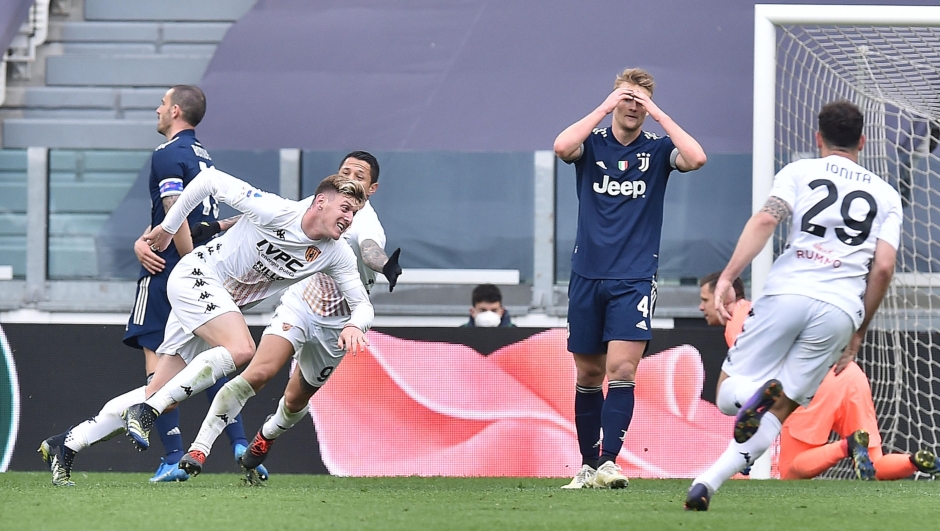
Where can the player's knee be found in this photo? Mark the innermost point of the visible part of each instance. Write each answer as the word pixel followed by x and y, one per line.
pixel 242 351
pixel 258 376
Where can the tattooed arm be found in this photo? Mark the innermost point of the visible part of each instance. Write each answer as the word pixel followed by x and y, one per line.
pixel 753 238
pixel 374 256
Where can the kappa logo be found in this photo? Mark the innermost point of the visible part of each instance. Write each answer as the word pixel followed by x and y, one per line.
pixel 601 165
pixel 204 295
pixel 644 159
pixel 312 253
pixel 197 272
pixel 281 234
pixel 201 256
pixel 642 325
pixel 200 283
pixel 211 306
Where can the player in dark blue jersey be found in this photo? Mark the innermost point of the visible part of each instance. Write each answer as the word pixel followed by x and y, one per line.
pixel 621 184
pixel 172 166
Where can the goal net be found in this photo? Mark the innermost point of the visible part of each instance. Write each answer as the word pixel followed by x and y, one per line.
pixel 886 60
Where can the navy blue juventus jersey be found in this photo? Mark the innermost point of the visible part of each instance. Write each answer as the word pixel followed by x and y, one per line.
pixel 620 205
pixel 172 167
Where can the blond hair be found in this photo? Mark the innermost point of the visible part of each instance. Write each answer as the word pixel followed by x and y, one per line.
pixel 636 76
pixel 343 185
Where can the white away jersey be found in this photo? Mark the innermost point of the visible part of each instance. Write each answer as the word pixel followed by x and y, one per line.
pixel 318 297
pixel 840 210
pixel 266 250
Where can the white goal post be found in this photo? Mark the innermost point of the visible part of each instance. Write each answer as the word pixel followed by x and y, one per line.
pixel 886 60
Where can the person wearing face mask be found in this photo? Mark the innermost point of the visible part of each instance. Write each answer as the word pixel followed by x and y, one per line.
pixel 488 310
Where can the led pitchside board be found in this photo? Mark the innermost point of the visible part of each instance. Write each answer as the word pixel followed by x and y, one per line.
pixel 9 403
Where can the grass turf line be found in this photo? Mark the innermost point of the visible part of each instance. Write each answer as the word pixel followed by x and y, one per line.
pixel 214 501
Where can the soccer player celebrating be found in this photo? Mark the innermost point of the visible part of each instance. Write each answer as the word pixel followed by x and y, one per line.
pixel 173 166
pixel 842 404
pixel 306 325
pixel 277 243
pixel 621 183
pixel 820 295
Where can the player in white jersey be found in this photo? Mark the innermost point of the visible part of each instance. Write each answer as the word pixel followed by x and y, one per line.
pixel 305 325
pixel 821 293
pixel 277 243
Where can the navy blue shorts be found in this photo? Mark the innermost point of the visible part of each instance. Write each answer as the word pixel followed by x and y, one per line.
pixel 604 310
pixel 151 310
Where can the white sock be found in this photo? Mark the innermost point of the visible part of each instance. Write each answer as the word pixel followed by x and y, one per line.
pixel 226 405
pixel 106 424
pixel 281 421
pixel 199 375
pixel 739 456
pixel 734 392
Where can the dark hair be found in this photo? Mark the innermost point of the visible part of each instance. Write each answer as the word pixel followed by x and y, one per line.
pixel 840 124
pixel 369 159
pixel 192 102
pixel 711 280
pixel 486 293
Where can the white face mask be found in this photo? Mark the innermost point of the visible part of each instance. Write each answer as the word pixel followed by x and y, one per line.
pixel 487 319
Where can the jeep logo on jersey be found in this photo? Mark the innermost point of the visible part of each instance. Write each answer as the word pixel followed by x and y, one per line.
pixel 644 159
pixel 276 255
pixel 615 188
pixel 312 253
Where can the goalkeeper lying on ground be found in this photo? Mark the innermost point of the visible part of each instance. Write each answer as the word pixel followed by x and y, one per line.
pixel 842 404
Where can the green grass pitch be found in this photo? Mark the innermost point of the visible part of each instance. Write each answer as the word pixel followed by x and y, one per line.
pixel 219 501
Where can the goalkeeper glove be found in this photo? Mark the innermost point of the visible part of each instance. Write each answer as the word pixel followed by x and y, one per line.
pixel 391 269
pixel 201 232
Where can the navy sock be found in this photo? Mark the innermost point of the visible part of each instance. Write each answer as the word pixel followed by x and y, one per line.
pixel 588 403
pixel 236 430
pixel 168 426
pixel 616 416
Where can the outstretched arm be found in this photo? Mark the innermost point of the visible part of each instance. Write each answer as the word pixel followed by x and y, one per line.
pixel 753 238
pixel 374 256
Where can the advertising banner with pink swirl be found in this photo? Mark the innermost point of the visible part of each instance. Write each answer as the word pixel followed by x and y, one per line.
pixel 440 409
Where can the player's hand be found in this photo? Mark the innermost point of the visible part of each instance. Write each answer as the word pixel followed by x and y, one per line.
pixel 647 103
pixel 392 270
pixel 158 239
pixel 724 296
pixel 201 232
pixel 848 355
pixel 147 258
pixel 352 340
pixel 614 99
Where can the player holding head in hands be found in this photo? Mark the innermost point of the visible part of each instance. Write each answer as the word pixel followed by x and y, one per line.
pixel 278 242
pixel 820 295
pixel 621 183
pixel 305 325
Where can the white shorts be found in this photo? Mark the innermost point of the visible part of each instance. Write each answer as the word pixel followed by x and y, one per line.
pixel 197 296
pixel 792 338
pixel 315 346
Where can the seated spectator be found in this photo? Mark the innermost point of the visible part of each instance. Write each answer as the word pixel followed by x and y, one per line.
pixel 488 310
